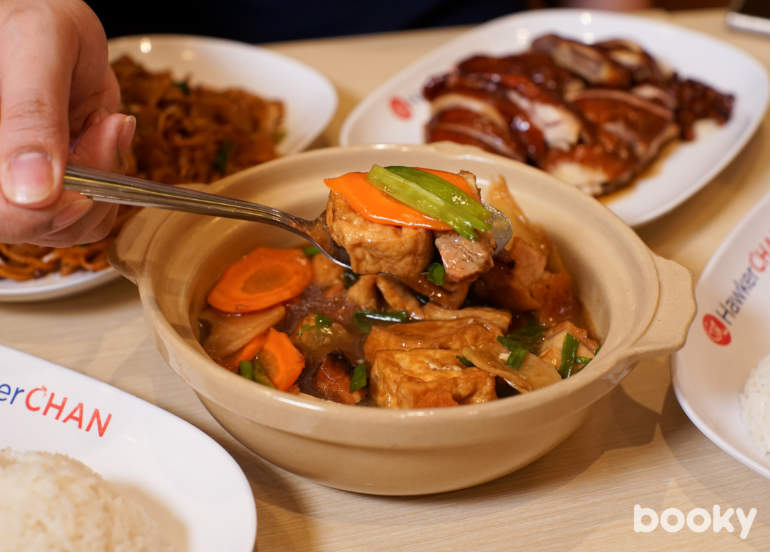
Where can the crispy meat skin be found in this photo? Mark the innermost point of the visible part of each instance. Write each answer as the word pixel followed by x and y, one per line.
pixel 425 378
pixel 593 115
pixel 374 247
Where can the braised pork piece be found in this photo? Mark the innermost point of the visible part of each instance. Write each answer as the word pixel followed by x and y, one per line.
pixel 593 115
pixel 429 318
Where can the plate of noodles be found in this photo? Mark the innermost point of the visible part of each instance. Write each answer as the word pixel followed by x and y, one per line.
pixel 87 466
pixel 722 374
pixel 205 108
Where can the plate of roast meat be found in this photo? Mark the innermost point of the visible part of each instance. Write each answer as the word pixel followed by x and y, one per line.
pixel 636 112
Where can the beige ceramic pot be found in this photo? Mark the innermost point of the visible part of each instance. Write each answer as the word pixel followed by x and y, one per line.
pixel 640 304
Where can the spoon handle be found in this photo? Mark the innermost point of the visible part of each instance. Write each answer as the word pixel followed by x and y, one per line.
pixel 128 190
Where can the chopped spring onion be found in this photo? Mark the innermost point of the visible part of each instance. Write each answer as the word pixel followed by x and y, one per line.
pixel 246 369
pixel 321 322
pixel 443 189
pixel 254 371
pixel 436 274
pixel 517 356
pixel 527 337
pixel 417 197
pixel 464 361
pixel 260 376
pixel 568 355
pixel 358 380
pixel 311 251
pixel 363 319
pixel 583 360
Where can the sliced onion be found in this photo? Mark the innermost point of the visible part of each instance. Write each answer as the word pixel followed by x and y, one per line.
pixel 230 332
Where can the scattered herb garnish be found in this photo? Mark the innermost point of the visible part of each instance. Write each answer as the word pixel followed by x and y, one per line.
pixel 358 380
pixel 436 274
pixel 183 86
pixel 311 251
pixel 260 376
pixel 583 360
pixel 278 135
pixel 527 337
pixel 254 371
pixel 464 361
pixel 517 356
pixel 349 278
pixel 413 194
pixel 363 319
pixel 223 154
pixel 321 322
pixel 246 369
pixel 568 355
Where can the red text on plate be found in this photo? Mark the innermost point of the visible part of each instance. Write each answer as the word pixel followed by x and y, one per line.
pixel 716 330
pixel 400 107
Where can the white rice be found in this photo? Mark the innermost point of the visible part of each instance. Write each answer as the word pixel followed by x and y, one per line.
pixel 53 503
pixel 755 403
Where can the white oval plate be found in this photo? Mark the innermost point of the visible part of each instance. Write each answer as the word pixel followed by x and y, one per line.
pixel 396 111
pixel 729 337
pixel 182 477
pixel 309 98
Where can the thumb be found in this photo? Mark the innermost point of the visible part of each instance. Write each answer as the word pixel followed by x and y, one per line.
pixel 34 127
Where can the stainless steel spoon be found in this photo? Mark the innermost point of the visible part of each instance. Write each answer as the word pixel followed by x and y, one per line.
pixel 128 190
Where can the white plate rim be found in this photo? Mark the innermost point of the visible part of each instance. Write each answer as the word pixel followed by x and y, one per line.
pixel 247 506
pixel 439 53
pixel 677 362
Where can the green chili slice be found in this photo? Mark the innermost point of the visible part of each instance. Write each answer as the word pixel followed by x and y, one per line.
pixel 424 201
pixel 568 355
pixel 443 189
pixel 358 380
pixel 436 274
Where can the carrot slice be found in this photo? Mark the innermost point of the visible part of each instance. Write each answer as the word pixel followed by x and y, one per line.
pixel 376 206
pixel 281 360
pixel 247 352
pixel 261 279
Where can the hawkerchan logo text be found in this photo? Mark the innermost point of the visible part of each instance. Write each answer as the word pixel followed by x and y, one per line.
pixel 697 520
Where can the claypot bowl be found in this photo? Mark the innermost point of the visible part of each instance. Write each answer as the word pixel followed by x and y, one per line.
pixel 640 305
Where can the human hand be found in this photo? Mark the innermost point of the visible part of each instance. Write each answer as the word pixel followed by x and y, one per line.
pixel 59 97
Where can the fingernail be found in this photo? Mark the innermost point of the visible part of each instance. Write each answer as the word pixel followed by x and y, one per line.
pixel 71 213
pixel 126 134
pixel 28 177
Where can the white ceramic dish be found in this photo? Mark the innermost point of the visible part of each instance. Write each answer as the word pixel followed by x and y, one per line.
pixel 396 111
pixel 52 286
pixel 709 373
pixel 182 477
pixel 309 98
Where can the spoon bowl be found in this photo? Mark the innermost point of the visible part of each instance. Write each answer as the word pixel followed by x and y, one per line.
pixel 129 190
